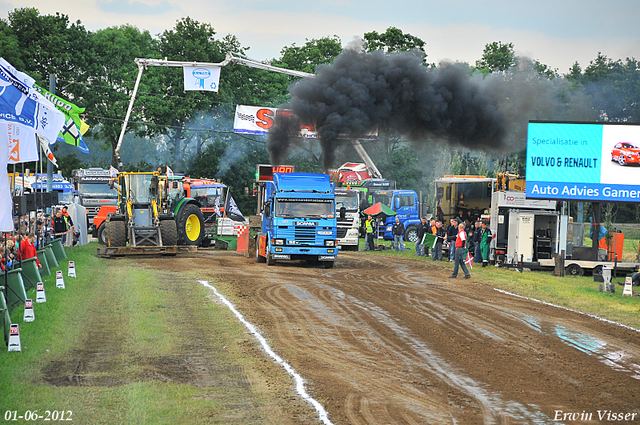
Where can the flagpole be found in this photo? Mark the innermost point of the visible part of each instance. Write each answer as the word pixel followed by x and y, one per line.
pixel 226 199
pixel 52 89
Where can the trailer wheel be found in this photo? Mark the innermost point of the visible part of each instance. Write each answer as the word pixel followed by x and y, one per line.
pixel 574 270
pixel 259 258
pixel 102 234
pixel 597 271
pixel 168 232
pixel 411 234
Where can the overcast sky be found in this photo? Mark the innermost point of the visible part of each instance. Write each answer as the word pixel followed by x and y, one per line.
pixel 557 33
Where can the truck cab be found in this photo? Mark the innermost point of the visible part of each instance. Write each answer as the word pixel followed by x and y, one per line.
pixel 298 219
pixel 94 190
pixel 407 208
pixel 348 216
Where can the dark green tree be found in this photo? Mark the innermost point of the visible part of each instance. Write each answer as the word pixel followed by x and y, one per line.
pixel 112 75
pixel 394 40
pixel 49 44
pixel 313 53
pixel 10 45
pixel 496 57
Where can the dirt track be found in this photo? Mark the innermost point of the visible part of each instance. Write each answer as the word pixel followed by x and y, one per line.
pixel 390 341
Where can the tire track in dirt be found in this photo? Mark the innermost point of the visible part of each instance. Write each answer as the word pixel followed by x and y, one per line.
pixel 388 340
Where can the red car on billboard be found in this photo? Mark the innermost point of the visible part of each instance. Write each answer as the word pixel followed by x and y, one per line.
pixel 625 153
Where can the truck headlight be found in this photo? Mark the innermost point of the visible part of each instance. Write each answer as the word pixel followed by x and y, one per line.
pixel 279 242
pixel 329 242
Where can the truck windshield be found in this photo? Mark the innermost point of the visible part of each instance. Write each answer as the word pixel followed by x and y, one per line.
pixel 207 196
pixel 95 188
pixel 382 198
pixel 65 197
pixel 312 208
pixel 349 201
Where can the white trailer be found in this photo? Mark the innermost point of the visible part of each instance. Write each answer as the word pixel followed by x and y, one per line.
pixel 531 233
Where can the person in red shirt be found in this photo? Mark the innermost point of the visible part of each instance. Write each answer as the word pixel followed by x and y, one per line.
pixel 460 253
pixel 28 249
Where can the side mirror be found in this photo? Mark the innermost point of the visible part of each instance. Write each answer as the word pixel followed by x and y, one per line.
pixel 267 209
pixel 343 213
pixel 397 203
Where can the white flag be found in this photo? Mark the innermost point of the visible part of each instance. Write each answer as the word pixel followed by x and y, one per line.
pixel 113 172
pixel 169 172
pixel 47 151
pixel 21 141
pixel 6 218
pixel 204 78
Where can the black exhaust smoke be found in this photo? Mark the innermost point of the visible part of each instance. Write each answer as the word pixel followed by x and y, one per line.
pixel 361 91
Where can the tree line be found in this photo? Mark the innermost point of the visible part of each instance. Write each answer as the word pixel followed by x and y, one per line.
pixel 192 131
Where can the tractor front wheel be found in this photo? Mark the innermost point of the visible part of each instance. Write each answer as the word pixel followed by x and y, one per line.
pixel 168 232
pixel 116 233
pixel 190 225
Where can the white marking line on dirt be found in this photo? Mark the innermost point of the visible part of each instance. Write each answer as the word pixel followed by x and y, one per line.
pixel 323 415
pixel 602 319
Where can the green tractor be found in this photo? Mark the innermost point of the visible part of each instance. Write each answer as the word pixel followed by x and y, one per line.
pixel 138 219
pixel 187 211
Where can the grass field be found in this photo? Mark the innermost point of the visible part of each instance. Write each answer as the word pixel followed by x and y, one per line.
pixel 118 346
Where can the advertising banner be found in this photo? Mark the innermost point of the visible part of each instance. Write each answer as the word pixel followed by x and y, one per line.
pixel 253 119
pixel 583 161
pixel 203 78
pixel 258 120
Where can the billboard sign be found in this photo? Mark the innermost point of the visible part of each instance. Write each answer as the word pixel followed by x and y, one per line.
pixel 583 161
pixel 258 120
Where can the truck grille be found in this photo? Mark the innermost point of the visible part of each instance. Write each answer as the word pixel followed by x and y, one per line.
pixel 305 234
pixel 92 211
pixel 342 232
pixel 348 222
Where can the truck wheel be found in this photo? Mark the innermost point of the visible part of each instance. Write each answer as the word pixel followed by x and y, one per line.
pixel 102 234
pixel 190 225
pixel 270 261
pixel 168 232
pixel 411 234
pixel 574 270
pixel 259 258
pixel 117 233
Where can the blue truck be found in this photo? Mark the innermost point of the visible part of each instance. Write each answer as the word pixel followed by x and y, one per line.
pixel 407 207
pixel 298 219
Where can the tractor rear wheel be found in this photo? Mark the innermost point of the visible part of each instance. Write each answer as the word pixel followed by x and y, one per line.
pixel 168 232
pixel 116 233
pixel 190 225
